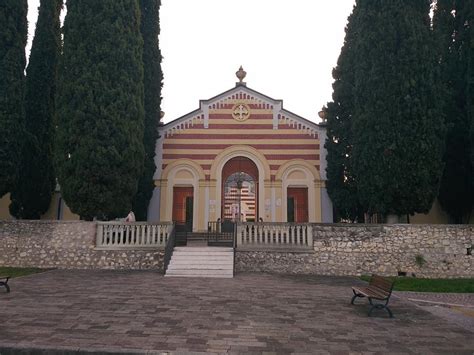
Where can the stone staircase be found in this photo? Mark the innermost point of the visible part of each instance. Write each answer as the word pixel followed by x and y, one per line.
pixel 195 237
pixel 201 261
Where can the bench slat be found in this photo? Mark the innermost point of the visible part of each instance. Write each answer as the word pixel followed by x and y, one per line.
pixel 369 292
pixel 377 292
pixel 381 282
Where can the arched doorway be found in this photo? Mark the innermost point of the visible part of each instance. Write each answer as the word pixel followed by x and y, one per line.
pixel 240 190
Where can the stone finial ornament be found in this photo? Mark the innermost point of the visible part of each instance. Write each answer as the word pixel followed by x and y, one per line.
pixel 323 113
pixel 241 73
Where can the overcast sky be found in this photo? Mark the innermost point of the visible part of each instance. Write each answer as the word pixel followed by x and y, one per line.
pixel 288 49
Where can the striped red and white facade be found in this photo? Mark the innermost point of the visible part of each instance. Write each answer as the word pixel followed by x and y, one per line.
pixel 240 125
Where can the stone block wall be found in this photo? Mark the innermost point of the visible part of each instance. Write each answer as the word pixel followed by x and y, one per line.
pixel 66 244
pixel 422 250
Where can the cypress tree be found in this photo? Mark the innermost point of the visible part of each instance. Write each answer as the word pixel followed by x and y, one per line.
pixel 398 128
pixel 31 196
pixel 452 30
pixel 469 10
pixel 13 36
pixel 100 107
pixel 153 77
pixel 341 183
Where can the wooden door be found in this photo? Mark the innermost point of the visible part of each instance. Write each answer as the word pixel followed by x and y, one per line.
pixel 183 206
pixel 297 204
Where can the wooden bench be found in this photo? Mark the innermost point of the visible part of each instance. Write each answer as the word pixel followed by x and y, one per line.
pixel 379 289
pixel 4 282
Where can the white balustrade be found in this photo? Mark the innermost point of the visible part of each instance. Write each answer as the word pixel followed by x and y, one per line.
pixel 274 235
pixel 132 235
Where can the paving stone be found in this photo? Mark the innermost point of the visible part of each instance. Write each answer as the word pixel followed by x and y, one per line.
pixel 144 312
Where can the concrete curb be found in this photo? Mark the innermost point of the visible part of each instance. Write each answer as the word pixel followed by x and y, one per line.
pixel 441 303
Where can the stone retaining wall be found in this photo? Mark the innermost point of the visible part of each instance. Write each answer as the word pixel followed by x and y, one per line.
pixel 66 244
pixel 421 250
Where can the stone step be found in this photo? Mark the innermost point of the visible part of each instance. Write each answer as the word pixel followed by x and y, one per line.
pixel 211 261
pixel 203 276
pixel 201 261
pixel 196 243
pixel 186 255
pixel 200 267
pixel 202 255
pixel 208 260
pixel 200 273
pixel 203 248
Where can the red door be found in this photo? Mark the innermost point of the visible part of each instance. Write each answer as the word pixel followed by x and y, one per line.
pixel 299 204
pixel 180 195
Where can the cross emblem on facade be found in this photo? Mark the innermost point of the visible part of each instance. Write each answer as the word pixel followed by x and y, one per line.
pixel 240 112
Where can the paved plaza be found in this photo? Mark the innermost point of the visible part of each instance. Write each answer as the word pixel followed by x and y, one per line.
pixel 64 311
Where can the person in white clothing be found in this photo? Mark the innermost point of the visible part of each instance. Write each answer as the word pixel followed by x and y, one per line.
pixel 130 217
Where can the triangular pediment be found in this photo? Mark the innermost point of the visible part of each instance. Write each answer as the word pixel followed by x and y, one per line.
pixel 244 94
pixel 240 92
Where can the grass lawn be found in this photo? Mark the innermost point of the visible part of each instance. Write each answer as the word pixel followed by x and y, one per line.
pixel 19 271
pixel 431 285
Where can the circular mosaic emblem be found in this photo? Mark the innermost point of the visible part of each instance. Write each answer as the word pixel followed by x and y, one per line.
pixel 241 111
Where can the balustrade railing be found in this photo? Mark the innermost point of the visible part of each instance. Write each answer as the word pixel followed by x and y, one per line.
pixel 170 244
pixel 265 235
pixel 132 235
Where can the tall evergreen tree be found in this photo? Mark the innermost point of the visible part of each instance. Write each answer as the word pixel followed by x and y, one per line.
pixel 452 24
pixel 470 74
pixel 341 184
pixel 13 36
pixel 153 78
pixel 31 196
pixel 100 107
pixel 398 127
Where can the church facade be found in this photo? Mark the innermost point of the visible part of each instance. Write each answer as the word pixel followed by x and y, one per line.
pixel 242 157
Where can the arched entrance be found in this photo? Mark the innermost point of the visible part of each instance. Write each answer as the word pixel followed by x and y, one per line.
pixel 239 190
